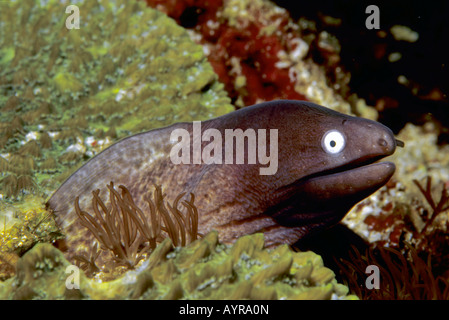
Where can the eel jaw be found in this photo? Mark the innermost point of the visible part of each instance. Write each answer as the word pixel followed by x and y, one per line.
pixel 326 198
pixel 355 183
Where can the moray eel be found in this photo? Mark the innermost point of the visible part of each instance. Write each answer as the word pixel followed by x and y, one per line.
pixel 326 163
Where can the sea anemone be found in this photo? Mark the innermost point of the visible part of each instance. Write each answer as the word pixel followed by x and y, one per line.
pixel 402 276
pixel 128 233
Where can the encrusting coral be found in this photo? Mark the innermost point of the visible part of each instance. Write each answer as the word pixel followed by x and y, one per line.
pixel 21 227
pixel 128 68
pixel 66 94
pixel 204 269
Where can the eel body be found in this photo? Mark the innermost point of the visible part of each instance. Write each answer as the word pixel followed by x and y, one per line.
pixel 321 164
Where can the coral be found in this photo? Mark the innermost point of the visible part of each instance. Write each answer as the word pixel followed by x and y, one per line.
pixel 65 95
pixel 127 233
pixel 407 221
pixel 260 54
pixel 128 68
pixel 45 141
pixel 202 269
pixel 23 225
pixel 3 165
pixel 31 148
pixel 397 212
pixel 7 265
pixel 21 164
pixel 48 165
pixel 9 185
pixel 414 261
pixel 437 207
pixel 39 269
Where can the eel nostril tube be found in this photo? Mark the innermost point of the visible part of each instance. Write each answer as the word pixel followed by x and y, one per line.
pixel 399 143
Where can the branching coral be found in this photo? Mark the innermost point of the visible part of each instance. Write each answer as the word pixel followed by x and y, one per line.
pixel 437 207
pixel 130 234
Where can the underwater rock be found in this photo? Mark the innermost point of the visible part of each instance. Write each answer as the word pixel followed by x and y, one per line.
pixel 205 269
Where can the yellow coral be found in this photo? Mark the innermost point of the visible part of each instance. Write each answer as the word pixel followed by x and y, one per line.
pixel 205 269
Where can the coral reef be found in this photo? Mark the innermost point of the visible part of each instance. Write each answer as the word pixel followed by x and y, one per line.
pixel 21 227
pixel 65 95
pixel 260 54
pixel 411 215
pixel 254 46
pixel 204 269
pixel 68 93
pixel 399 210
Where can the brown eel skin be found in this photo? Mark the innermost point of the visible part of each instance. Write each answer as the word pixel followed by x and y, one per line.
pixel 327 162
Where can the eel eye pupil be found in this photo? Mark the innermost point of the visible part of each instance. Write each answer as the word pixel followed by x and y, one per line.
pixel 333 142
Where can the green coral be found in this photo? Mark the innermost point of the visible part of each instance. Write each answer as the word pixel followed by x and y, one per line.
pixel 22 225
pixel 205 269
pixel 67 94
pixel 128 68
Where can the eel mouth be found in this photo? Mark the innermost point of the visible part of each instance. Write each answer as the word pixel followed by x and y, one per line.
pixel 347 168
pixel 328 195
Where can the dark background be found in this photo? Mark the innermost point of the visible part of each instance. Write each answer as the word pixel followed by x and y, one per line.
pixel 365 55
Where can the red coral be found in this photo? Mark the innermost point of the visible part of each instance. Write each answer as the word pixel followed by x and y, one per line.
pixel 257 53
pixel 387 222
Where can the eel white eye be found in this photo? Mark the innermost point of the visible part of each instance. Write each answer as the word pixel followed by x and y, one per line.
pixel 333 142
